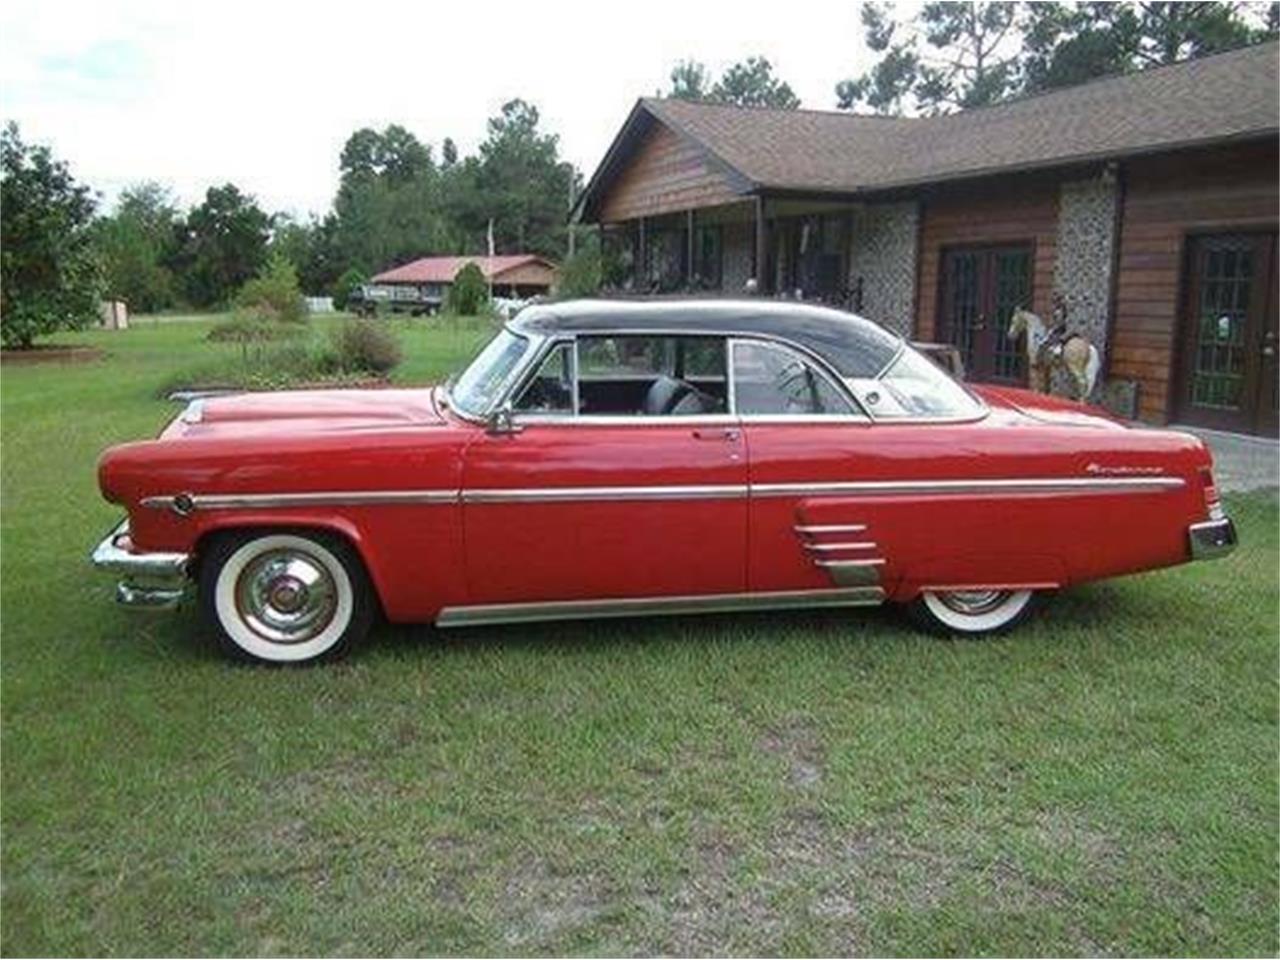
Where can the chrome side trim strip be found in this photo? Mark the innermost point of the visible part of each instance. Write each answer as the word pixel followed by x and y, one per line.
pixel 862 545
pixel 1029 485
pixel 213 501
pixel 232 501
pixel 578 494
pixel 877 562
pixel 832 528
pixel 649 606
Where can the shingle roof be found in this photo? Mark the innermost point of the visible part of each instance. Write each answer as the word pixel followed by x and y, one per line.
pixel 444 269
pixel 1227 96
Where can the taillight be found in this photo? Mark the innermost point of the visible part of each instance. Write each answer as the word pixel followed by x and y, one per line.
pixel 1212 505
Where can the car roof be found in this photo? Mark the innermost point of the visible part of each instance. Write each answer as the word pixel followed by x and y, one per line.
pixel 853 345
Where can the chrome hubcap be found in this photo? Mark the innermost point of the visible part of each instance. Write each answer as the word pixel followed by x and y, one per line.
pixel 286 596
pixel 973 602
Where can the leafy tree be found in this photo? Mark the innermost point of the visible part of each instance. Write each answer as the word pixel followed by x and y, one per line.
pixel 521 183
pixel 133 245
pixel 388 208
pixel 469 293
pixel 221 245
pixel 688 81
pixel 951 55
pixel 395 153
pixel 274 293
pixel 448 152
pixel 49 276
pixel 351 280
pixel 1072 42
pixel 750 83
pixel 960 55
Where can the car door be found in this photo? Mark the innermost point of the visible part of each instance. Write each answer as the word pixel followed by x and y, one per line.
pixel 579 505
pixel 802 431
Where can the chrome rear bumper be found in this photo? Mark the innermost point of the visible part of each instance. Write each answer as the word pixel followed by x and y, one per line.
pixel 1212 539
pixel 148 581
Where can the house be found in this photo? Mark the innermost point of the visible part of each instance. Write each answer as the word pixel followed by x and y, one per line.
pixel 421 286
pixel 1143 206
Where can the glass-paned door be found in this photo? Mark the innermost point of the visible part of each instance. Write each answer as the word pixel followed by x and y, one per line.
pixel 981 287
pixel 1228 350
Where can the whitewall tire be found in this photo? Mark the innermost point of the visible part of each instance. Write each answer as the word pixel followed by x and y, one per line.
pixel 284 597
pixel 972 612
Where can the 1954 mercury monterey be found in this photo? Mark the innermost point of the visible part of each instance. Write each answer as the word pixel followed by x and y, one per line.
pixel 609 458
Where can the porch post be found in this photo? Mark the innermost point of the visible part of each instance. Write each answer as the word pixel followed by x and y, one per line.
pixel 642 272
pixel 688 260
pixel 761 254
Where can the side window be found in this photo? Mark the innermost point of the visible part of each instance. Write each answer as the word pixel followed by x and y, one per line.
pixel 651 376
pixel 771 379
pixel 551 389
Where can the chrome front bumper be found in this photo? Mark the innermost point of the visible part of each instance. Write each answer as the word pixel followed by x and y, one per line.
pixel 1212 539
pixel 148 581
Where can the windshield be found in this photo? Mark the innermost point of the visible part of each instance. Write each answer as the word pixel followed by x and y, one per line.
pixel 478 389
pixel 914 386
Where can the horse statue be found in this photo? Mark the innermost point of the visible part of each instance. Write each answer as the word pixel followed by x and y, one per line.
pixel 1057 347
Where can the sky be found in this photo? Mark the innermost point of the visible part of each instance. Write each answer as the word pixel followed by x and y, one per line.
pixel 264 94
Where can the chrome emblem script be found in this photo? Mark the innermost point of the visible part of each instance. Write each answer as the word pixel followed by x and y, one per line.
pixel 1122 470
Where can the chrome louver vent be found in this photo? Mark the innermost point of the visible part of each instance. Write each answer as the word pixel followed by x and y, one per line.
pixel 845 551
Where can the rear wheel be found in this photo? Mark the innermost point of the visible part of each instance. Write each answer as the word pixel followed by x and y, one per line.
pixel 972 612
pixel 285 597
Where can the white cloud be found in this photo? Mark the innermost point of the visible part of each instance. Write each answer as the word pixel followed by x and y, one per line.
pixel 264 94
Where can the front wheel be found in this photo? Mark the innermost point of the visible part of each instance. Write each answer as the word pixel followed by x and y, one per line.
pixel 972 612
pixel 285 597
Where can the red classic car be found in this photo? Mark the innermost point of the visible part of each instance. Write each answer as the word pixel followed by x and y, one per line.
pixel 602 458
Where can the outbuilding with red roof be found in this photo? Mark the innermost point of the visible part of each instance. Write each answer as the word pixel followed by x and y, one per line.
pixel 422 285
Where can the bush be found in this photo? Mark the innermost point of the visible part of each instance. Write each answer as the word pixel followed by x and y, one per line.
pixel 469 293
pixel 274 293
pixel 581 275
pixel 49 274
pixel 365 346
pixel 347 284
pixel 251 326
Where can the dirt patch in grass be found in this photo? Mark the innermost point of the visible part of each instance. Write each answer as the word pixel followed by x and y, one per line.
pixel 797 742
pixel 542 905
pixel 51 353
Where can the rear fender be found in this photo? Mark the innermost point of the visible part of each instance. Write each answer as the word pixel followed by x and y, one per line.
pixel 971 571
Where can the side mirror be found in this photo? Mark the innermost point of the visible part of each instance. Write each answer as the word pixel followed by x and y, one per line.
pixel 502 421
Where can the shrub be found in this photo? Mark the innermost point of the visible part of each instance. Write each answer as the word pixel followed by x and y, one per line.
pixel 469 293
pixel 581 275
pixel 251 326
pixel 347 284
pixel 274 292
pixel 49 274
pixel 365 346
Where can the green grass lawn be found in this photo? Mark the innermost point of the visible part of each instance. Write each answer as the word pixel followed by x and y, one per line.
pixel 1102 781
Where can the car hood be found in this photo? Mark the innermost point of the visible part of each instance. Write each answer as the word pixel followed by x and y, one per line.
pixel 1044 408
pixel 307 410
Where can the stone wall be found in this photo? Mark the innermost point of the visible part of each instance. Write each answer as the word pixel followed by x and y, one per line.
pixel 1086 245
pixel 882 252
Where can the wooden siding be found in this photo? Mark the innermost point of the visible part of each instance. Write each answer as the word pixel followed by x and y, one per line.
pixel 1011 210
pixel 528 274
pixel 1166 199
pixel 666 174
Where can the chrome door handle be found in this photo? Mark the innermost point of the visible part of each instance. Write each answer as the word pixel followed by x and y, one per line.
pixel 719 433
